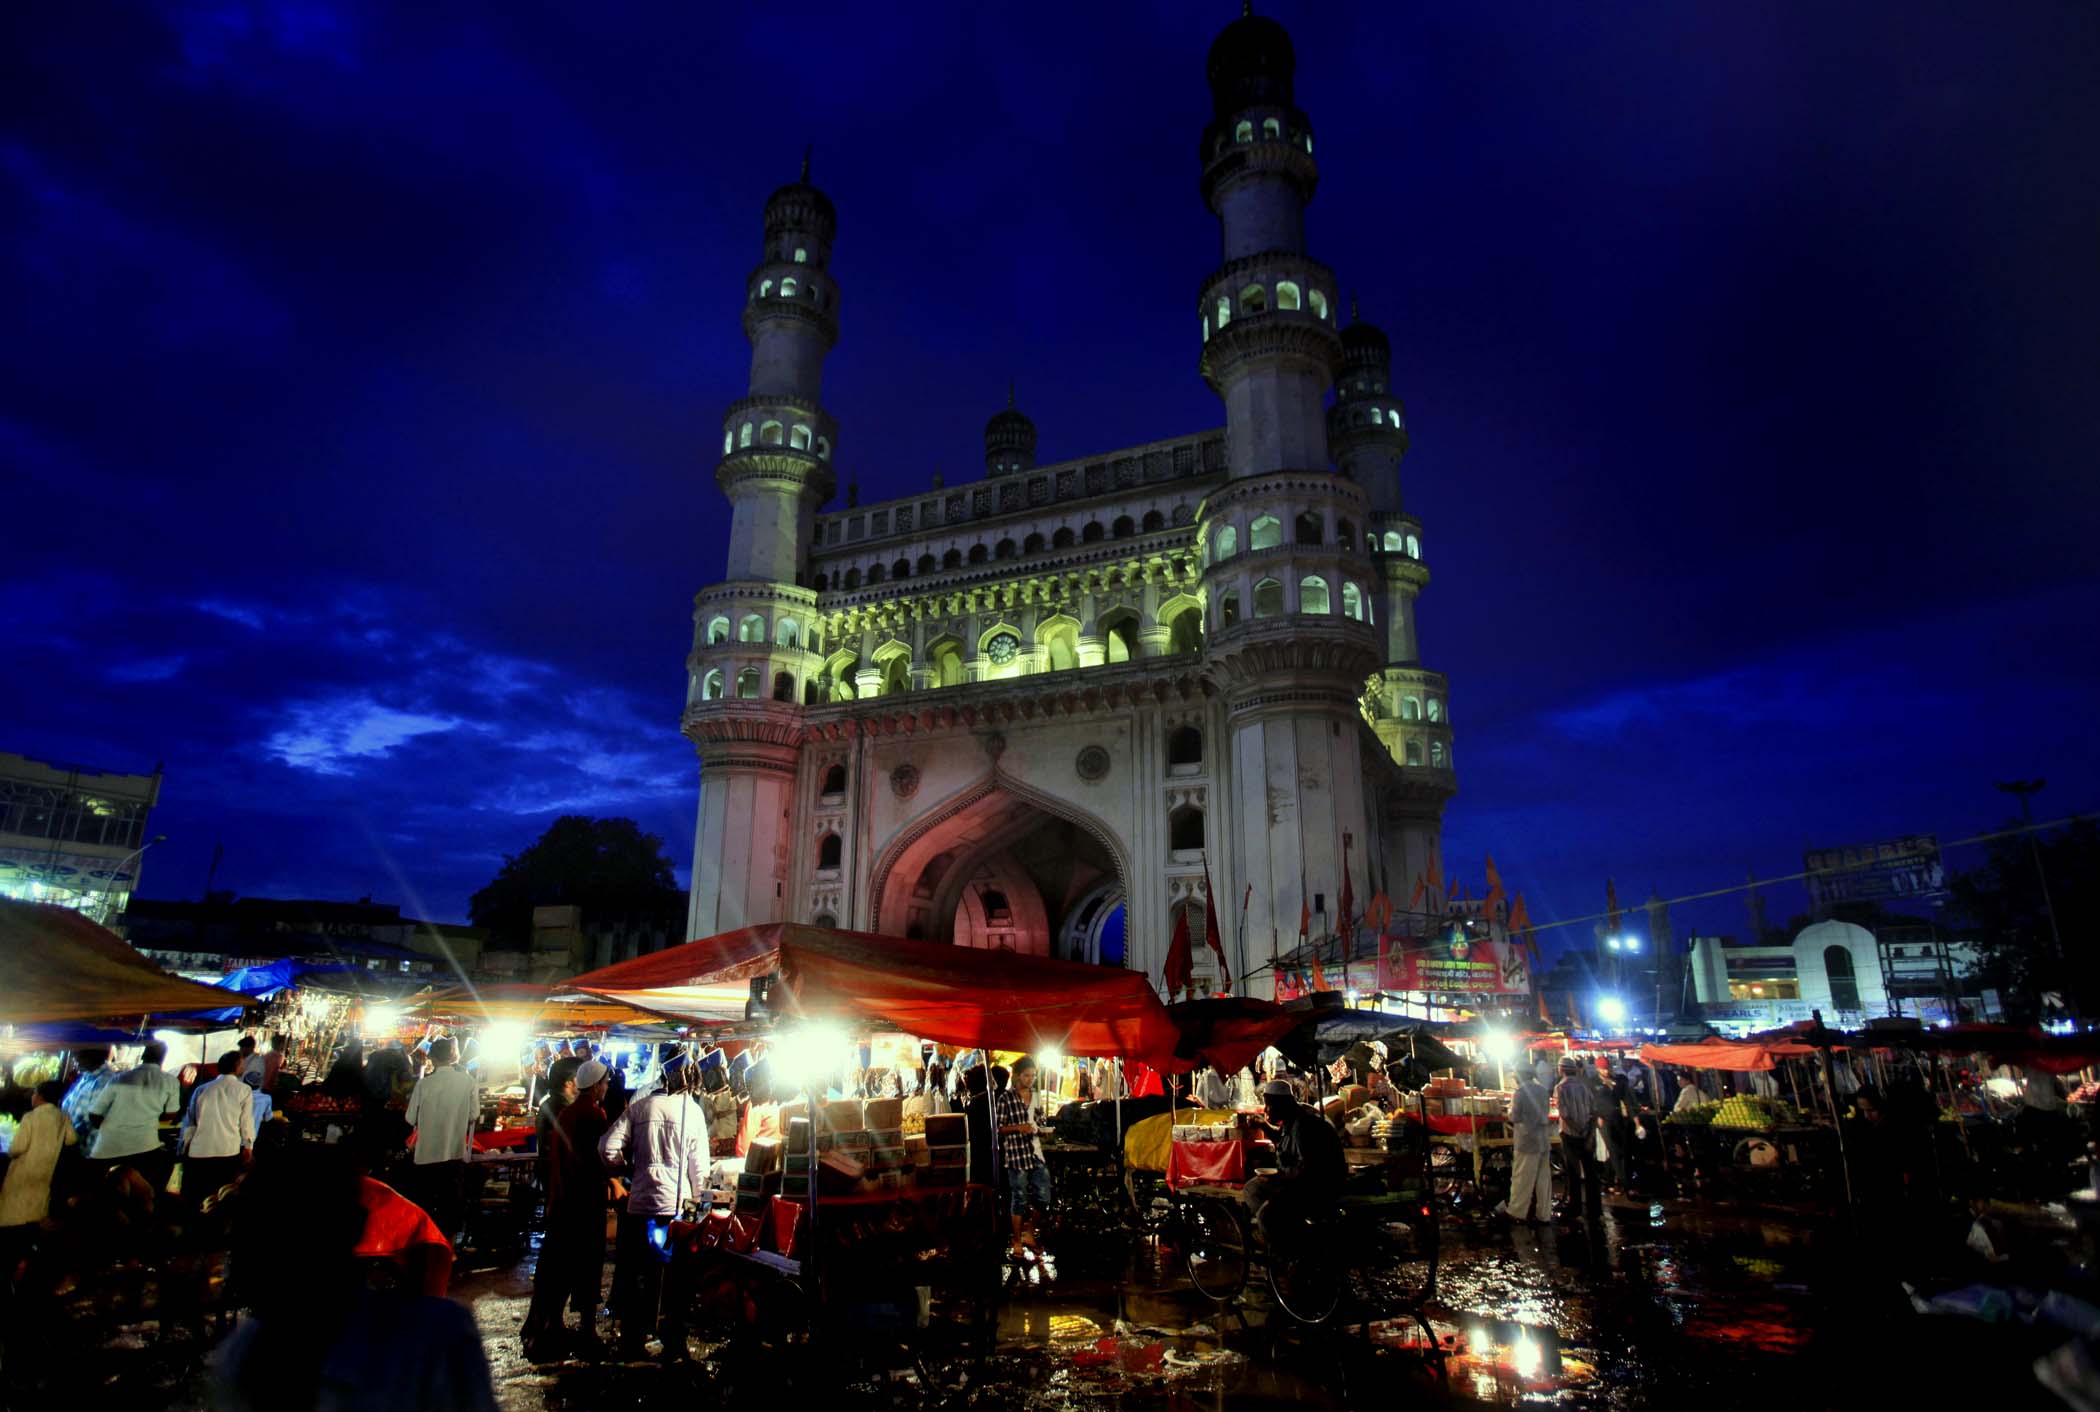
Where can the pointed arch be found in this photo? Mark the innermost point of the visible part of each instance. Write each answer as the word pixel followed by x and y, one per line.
pixel 1058 636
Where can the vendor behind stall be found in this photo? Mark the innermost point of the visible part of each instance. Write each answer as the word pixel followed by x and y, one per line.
pixel 1310 1169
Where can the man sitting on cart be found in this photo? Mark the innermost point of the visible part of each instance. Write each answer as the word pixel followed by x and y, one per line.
pixel 1310 1170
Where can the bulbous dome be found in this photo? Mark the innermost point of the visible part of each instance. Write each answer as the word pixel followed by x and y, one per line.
pixel 1366 345
pixel 1009 441
pixel 1251 61
pixel 800 206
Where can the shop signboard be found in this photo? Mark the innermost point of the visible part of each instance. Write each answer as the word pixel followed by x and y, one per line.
pixel 1896 868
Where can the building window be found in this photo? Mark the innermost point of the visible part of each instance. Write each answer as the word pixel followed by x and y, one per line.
pixel 1844 984
pixel 728 442
pixel 1265 533
pixel 1125 527
pixel 765 289
pixel 1032 545
pixel 747 684
pixel 977 554
pixel 1224 312
pixel 1410 708
pixel 787 288
pixel 1352 601
pixel 1345 533
pixel 1004 549
pixel 798 439
pixel 952 559
pixel 1312 594
pixel 1092 532
pixel 1377 417
pixel 1268 599
pixel 1119 636
pixel 717 630
pixel 711 686
pixel 1185 747
pixel 1414 547
pixel 784 686
pixel 834 780
pixel 1436 754
pixel 1185 631
pixel 1185 829
pixel 1394 544
pixel 1271 128
pixel 1414 752
pixel 789 633
pixel 1318 300
pixel 876 573
pixel 1228 608
pixel 769 434
pixel 853 578
pixel 1287 295
pixel 1309 529
pixel 823 448
pixel 927 563
pixel 830 848
pixel 1436 708
pixel 1062 539
pixel 1244 132
pixel 1254 299
pixel 743 435
pixel 751 629
pixel 1228 541
pixel 801 256
pixel 823 582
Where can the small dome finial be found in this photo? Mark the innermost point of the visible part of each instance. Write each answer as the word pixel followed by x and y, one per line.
pixel 1246 9
pixel 1009 392
pixel 1354 316
pixel 805 160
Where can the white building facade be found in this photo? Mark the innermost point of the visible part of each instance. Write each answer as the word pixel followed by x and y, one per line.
pixel 1026 712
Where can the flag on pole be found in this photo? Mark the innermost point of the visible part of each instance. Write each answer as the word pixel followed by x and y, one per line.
pixel 1180 964
pixel 1495 893
pixel 1343 924
pixel 1414 899
pixel 1210 929
pixel 1436 874
pixel 1520 927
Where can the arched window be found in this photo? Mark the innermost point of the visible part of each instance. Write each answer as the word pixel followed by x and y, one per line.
pixel 1377 417
pixel 1185 632
pixel 1414 547
pixel 1394 544
pixel 751 629
pixel 1844 984
pixel 834 780
pixel 947 663
pixel 1185 747
pixel 787 288
pixel 813 692
pixel 896 675
pixel 801 256
pixel 1345 533
pixel 711 686
pixel 747 684
pixel 765 289
pixel 1265 533
pixel 1435 711
pixel 1124 528
pixel 952 559
pixel 852 578
pixel 823 448
pixel 1062 539
pixel 977 554
pixel 1185 829
pixel 1436 754
pixel 1032 545
pixel 728 442
pixel 1312 594
pixel 1308 142
pixel 1414 752
pixel 876 573
pixel 1271 128
pixel 1004 549
pixel 1244 132
pixel 1254 299
pixel 1352 601
pixel 1227 540
pixel 830 848
pixel 1228 607
pixel 789 633
pixel 784 686
pixel 1119 636
pixel 1318 300
pixel 1268 599
pixel 743 435
pixel 823 582
pixel 717 630
pixel 1410 708
pixel 927 564
pixel 1224 312
pixel 1309 529
pixel 1154 520
pixel 1092 532
pixel 1287 295
pixel 901 569
pixel 1206 328
pixel 798 439
pixel 769 434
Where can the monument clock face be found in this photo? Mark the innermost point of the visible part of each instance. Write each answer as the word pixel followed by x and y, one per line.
pixel 1002 648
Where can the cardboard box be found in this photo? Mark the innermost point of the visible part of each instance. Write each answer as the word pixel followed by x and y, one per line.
pixel 843 1115
pixel 883 1113
pixel 947 1129
pixel 763 1157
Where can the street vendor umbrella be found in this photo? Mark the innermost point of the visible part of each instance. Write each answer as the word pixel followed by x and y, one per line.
pixel 521 1002
pixel 948 994
pixel 59 965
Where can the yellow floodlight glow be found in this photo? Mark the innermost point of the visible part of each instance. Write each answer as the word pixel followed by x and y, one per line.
pixel 811 1057
pixel 382 1019
pixel 1050 1059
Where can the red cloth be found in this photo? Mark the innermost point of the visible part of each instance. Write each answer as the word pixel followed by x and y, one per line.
pixel 1448 1125
pixel 1738 1055
pixel 950 994
pixel 576 1176
pixel 783 1229
pixel 1180 965
pixel 1231 1031
pixel 1210 1163
pixel 397 1230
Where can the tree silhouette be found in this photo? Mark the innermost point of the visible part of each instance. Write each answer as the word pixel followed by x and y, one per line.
pixel 608 867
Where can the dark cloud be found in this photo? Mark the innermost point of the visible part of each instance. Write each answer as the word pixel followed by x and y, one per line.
pixel 366 364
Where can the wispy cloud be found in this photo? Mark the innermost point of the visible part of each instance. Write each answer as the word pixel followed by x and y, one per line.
pixel 248 615
pixel 147 668
pixel 330 735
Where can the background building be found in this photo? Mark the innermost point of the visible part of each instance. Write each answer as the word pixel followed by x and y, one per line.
pixel 1843 969
pixel 71 835
pixel 1023 712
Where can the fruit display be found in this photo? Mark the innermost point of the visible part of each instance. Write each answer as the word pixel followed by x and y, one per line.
pixel 1751 1113
pixel 321 1104
pixel 1699 1115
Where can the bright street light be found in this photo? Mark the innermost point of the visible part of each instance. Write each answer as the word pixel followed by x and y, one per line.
pixel 1611 1009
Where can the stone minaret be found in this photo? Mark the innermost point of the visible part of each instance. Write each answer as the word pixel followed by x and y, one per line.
pixel 752 649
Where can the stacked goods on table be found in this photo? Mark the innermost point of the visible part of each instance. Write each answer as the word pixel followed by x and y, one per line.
pixel 311 1103
pixel 1750 1112
pixel 946 1145
pixel 885 1155
pixel 1699 1115
pixel 1206 1132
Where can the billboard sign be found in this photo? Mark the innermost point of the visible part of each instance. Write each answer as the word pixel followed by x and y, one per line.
pixel 1895 869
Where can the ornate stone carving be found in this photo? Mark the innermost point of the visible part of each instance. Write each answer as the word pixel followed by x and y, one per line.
pixel 904 780
pixel 1093 764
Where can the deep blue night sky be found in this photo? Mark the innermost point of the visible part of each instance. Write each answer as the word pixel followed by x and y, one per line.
pixel 365 366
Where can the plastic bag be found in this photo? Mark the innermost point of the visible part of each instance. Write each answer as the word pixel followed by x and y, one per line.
pixel 1599 1148
pixel 1640 1131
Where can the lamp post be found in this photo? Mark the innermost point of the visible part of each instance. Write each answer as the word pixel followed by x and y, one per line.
pixel 118 872
pixel 2020 790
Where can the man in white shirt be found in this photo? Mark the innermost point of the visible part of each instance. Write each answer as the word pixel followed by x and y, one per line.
pixel 1531 1150
pixel 127 1113
pixel 442 1110
pixel 218 1135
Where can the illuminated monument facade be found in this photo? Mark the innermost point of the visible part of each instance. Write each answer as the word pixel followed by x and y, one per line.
pixel 1021 712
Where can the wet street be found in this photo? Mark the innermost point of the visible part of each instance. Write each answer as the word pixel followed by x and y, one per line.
pixel 1667 1304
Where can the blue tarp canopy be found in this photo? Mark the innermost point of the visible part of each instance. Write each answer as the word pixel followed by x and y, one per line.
pixel 263 982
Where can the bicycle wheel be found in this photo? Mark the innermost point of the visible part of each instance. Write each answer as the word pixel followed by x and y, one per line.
pixel 1307 1287
pixel 1215 1249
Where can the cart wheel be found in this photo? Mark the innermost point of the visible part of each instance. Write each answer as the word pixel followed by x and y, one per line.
pixel 1307 1287
pixel 1214 1245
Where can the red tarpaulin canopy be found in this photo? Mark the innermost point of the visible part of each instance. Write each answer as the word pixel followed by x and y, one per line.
pixel 1230 1030
pixel 1737 1054
pixel 60 965
pixel 950 994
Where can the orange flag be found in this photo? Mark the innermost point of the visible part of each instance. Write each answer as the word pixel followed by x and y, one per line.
pixel 1414 899
pixel 1520 926
pixel 1494 893
pixel 1436 874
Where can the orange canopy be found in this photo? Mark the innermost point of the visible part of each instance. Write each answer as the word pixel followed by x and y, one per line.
pixel 522 1002
pixel 1737 1054
pixel 60 965
pixel 949 994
